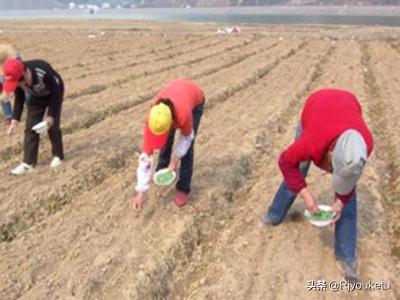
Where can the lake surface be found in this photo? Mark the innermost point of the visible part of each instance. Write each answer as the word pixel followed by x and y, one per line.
pixel 386 16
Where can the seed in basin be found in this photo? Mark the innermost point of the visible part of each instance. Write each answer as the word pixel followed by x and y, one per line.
pixel 164 177
pixel 322 217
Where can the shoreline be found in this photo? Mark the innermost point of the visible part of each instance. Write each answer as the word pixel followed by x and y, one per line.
pixel 310 15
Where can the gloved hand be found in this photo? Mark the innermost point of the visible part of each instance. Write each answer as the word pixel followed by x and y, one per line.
pixel 144 172
pixel 183 144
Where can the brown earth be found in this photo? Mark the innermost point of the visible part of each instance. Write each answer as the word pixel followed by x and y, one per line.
pixel 70 233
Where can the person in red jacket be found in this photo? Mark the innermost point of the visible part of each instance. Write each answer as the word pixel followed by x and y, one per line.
pixel 179 105
pixel 334 136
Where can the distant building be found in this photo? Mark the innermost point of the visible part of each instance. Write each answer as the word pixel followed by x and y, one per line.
pixel 93 9
pixel 72 5
pixel 106 5
pixel 28 4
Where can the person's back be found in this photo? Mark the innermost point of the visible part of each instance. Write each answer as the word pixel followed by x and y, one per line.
pixel 45 78
pixel 183 93
pixel 332 104
pixel 326 115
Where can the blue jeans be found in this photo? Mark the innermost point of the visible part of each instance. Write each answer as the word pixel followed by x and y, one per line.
pixel 345 227
pixel 7 110
pixel 6 105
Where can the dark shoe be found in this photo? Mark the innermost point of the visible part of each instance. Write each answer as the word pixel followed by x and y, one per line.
pixel 181 198
pixel 349 271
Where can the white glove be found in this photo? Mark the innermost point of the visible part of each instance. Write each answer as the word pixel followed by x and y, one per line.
pixel 183 144
pixel 143 172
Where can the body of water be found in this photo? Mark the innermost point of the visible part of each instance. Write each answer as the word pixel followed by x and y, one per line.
pixel 385 16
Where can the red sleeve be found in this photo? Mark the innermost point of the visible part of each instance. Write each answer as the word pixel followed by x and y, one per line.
pixel 346 198
pixel 187 125
pixel 146 148
pixel 289 162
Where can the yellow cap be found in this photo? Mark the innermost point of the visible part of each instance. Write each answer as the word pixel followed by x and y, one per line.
pixel 160 119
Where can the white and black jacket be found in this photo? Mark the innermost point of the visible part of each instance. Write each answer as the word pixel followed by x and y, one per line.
pixel 47 89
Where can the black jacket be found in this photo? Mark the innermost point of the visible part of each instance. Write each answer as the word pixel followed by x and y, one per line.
pixel 47 89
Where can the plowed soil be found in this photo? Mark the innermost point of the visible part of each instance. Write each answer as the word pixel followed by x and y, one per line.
pixel 70 233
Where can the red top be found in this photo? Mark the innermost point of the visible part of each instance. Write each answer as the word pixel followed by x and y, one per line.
pixel 326 115
pixel 185 95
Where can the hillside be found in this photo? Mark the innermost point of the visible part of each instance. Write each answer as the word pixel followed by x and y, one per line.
pixel 28 4
pixel 36 4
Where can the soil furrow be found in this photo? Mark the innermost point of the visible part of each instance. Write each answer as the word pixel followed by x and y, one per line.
pixel 267 267
pixel 383 116
pixel 386 150
pixel 82 182
pixel 86 120
pixel 266 142
pixel 71 231
pixel 105 83
pixel 134 57
pixel 226 185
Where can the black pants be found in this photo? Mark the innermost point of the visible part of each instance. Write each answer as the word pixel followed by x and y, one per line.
pixel 186 168
pixel 35 115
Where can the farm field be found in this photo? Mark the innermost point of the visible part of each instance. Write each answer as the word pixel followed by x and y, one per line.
pixel 70 233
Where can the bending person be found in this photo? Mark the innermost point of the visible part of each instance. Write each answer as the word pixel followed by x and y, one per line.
pixel 179 105
pixel 45 87
pixel 334 136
